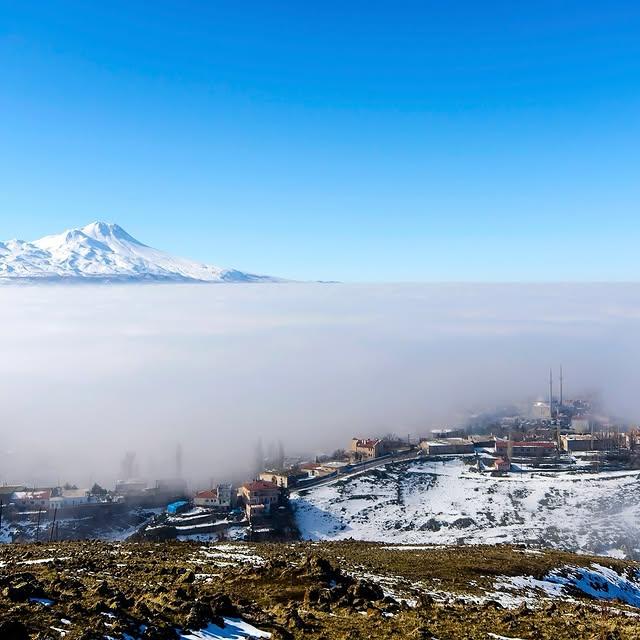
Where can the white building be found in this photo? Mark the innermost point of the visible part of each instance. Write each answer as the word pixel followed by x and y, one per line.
pixel 131 487
pixel 71 498
pixel 541 410
pixel 32 499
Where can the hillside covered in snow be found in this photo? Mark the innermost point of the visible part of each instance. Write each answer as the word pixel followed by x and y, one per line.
pixel 104 252
pixel 426 502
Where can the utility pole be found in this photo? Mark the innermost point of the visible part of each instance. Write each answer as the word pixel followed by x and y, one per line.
pixel 53 524
pixel 561 385
pixel 38 525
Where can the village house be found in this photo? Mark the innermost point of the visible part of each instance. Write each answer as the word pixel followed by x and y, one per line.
pixel 526 449
pixel 224 495
pixel 68 498
pixel 366 449
pixel 131 487
pixel 333 465
pixel 259 497
pixel 502 465
pixel 320 469
pixel 208 498
pixel 447 446
pixel 220 497
pixel 36 499
pixel 285 479
pixel 483 441
pixel 7 491
pixel 596 442
pixel 313 469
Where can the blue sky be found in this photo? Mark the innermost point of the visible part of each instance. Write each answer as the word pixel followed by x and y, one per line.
pixel 360 141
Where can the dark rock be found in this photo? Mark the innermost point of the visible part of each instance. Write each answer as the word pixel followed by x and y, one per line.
pixel 425 601
pixel 280 633
pixel 221 605
pixel 311 595
pixel 294 621
pixel 13 630
pixel 182 594
pixel 19 587
pixel 187 578
pixel 159 632
pixel 321 569
pixel 366 590
pixel 199 616
pixel 103 589
pixel 89 634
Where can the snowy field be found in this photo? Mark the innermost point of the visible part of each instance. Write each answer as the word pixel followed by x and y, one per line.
pixel 444 503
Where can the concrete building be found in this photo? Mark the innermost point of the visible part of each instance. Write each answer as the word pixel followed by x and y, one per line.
pixel 7 491
pixel 541 410
pixel 30 500
pixel 483 441
pixel 313 469
pixel 259 497
pixel 320 469
pixel 527 449
pixel 219 497
pixel 581 424
pixel 287 479
pixel 225 492
pixel 447 446
pixel 68 498
pixel 586 442
pixel 366 449
pixel 134 487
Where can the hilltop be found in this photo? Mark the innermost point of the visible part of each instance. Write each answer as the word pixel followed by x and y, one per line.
pixel 96 590
pixel 445 502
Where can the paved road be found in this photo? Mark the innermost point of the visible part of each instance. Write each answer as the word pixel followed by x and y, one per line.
pixel 373 464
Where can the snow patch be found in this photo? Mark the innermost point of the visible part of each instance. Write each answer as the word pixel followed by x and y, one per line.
pixel 234 629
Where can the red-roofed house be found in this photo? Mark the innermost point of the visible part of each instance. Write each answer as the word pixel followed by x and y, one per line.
pixel 218 497
pixel 366 448
pixel 502 465
pixel 259 496
pixel 207 498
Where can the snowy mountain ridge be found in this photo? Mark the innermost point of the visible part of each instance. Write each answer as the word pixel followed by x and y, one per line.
pixel 105 252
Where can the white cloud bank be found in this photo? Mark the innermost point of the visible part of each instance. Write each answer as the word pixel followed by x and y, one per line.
pixel 89 372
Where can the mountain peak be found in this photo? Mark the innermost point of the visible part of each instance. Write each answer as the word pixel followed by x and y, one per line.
pixel 104 251
pixel 99 230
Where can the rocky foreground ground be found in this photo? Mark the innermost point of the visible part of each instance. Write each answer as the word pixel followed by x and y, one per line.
pixel 345 590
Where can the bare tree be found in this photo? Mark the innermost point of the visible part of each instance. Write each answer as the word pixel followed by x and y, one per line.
pixel 128 465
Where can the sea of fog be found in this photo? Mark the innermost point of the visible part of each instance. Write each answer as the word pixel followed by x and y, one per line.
pixel 90 372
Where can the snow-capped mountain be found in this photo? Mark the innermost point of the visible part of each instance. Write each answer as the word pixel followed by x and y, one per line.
pixel 104 252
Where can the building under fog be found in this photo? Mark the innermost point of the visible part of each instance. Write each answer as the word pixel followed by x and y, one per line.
pixel 541 410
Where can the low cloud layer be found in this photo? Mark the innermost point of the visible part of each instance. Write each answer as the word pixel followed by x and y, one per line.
pixel 90 372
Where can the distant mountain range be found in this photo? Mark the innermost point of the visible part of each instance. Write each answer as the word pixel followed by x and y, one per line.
pixel 105 253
